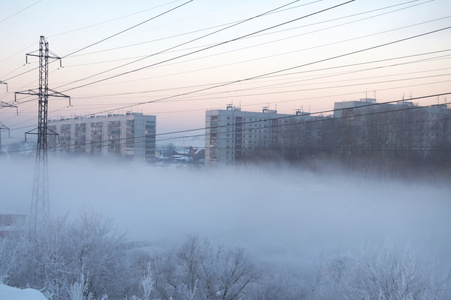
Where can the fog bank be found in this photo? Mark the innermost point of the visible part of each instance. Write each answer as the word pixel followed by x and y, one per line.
pixel 277 214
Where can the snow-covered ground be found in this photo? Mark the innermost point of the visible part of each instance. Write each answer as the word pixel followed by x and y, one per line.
pixel 10 293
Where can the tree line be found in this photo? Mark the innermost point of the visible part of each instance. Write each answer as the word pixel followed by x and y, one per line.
pixel 89 259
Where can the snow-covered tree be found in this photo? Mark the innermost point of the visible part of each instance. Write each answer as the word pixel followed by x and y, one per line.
pixel 8 257
pixel 382 273
pixel 147 283
pixel 199 271
pixel 86 258
pixel 394 272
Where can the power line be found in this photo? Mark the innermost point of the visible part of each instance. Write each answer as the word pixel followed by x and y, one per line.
pixel 322 45
pixel 130 28
pixel 272 72
pixel 274 32
pixel 352 84
pixel 79 50
pixel 406 2
pixel 288 117
pixel 336 95
pixel 227 83
pixel 325 112
pixel 319 83
pixel 190 32
pixel 258 58
pixel 315 47
pixel 354 15
pixel 301 72
pixel 253 104
pixel 112 20
pixel 109 37
pixel 184 43
pixel 20 51
pixel 228 27
pixel 210 47
pixel 207 97
pixel 16 13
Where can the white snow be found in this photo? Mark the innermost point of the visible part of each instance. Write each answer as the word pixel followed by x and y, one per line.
pixel 11 293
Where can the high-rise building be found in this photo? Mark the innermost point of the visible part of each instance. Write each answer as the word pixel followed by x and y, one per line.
pixel 400 129
pixel 358 130
pixel 233 135
pixel 131 135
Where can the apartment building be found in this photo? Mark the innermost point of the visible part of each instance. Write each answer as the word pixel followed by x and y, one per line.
pixel 340 107
pixel 398 130
pixel 131 135
pixel 233 134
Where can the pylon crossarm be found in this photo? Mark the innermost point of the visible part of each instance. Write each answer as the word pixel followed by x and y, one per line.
pixel 3 127
pixel 49 132
pixel 33 92
pixel 28 92
pixel 9 135
pixel 52 132
pixel 38 55
pixel 6 128
pixel 58 94
pixel 2 82
pixel 30 132
pixel 4 104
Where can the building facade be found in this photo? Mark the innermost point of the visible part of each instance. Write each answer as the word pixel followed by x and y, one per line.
pixel 131 135
pixel 400 131
pixel 357 132
pixel 233 135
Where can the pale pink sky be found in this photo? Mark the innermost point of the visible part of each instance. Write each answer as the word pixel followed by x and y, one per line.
pixel 73 25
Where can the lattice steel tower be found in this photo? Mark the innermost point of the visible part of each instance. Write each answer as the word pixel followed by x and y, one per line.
pixel 40 209
pixel 1 128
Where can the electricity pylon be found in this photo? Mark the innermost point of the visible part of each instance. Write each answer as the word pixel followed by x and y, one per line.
pixel 2 82
pixel 1 128
pixel 40 210
pixel 4 105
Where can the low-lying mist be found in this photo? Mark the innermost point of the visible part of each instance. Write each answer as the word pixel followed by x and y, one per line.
pixel 279 214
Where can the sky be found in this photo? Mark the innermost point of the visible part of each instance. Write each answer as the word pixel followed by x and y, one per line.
pixel 177 59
